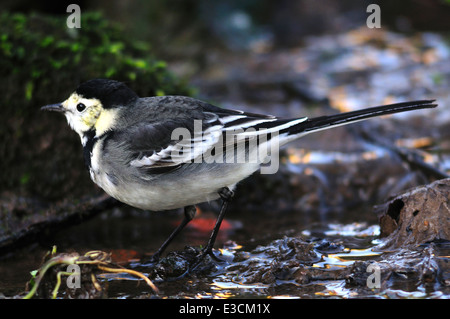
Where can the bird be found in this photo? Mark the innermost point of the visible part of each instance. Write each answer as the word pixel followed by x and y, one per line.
pixel 170 152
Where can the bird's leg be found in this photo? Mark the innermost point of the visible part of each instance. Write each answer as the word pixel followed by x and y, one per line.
pixel 189 213
pixel 226 195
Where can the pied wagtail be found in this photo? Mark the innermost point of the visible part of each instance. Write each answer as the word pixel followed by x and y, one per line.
pixel 132 154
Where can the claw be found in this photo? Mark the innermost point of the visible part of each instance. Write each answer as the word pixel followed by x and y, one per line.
pixel 200 257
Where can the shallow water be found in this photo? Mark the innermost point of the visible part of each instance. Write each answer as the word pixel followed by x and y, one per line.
pixel 246 239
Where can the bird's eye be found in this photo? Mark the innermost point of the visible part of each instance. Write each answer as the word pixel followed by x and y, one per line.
pixel 81 107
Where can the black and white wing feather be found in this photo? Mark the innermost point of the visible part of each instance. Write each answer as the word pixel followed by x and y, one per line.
pixel 170 143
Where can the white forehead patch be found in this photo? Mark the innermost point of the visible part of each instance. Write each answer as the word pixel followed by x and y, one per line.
pixel 71 103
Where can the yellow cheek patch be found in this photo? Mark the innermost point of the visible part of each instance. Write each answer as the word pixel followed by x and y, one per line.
pixel 89 118
pixel 105 121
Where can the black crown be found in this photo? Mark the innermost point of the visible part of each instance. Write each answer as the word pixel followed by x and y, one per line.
pixel 111 93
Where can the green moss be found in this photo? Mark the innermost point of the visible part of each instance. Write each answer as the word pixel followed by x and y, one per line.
pixel 29 90
pixel 42 61
pixel 48 40
pixel 41 49
pixel 25 178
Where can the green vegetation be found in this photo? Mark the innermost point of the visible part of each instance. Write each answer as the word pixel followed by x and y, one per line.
pixel 42 58
pixel 42 61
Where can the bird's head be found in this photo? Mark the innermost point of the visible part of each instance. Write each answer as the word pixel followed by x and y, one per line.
pixel 94 106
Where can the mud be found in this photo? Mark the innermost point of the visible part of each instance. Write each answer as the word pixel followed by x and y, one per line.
pixel 416 217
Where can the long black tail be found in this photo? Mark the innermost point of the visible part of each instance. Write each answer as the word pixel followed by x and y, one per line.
pixel 325 122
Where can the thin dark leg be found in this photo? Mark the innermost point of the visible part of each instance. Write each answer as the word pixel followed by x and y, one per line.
pixel 189 213
pixel 226 194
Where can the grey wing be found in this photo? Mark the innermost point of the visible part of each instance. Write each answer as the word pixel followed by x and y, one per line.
pixel 168 144
pixel 185 134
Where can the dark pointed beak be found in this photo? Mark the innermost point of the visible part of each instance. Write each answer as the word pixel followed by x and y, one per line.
pixel 54 107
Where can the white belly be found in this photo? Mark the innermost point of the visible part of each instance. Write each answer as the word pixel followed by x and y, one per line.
pixel 178 189
pixel 163 194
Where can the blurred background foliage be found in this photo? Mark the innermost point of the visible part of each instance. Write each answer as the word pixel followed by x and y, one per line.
pixel 285 57
pixel 143 43
pixel 42 62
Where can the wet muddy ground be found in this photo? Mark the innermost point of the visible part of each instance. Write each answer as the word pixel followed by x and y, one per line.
pixel 292 255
